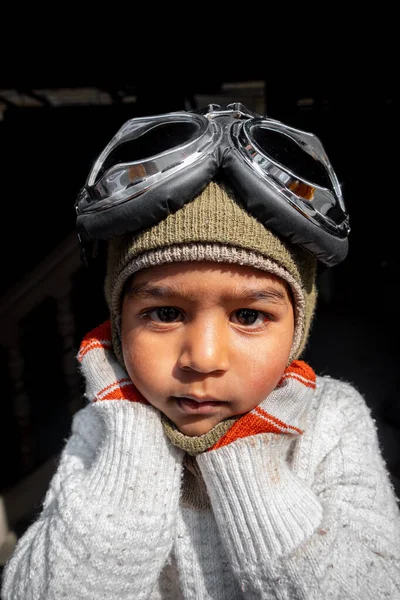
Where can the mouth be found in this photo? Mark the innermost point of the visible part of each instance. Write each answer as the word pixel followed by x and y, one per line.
pixel 199 406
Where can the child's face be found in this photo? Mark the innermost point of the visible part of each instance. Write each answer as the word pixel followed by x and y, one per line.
pixel 204 341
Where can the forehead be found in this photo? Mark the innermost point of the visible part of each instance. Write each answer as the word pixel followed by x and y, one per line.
pixel 212 277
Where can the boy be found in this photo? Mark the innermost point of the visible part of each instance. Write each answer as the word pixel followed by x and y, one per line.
pixel 211 462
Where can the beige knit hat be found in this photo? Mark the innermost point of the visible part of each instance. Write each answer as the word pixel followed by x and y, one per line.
pixel 213 227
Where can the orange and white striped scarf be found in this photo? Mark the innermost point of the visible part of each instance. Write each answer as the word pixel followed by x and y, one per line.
pixel 281 411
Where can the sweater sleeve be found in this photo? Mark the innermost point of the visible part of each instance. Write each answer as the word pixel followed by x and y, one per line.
pixel 333 532
pixel 107 524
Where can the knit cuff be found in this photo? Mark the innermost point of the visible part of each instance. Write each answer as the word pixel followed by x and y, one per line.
pixel 134 446
pixel 265 504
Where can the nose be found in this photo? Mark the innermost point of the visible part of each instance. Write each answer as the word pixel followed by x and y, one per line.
pixel 205 346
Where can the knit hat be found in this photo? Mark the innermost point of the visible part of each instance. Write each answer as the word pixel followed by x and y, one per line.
pixel 214 227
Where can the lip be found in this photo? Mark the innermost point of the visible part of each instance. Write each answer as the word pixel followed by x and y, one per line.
pixel 198 405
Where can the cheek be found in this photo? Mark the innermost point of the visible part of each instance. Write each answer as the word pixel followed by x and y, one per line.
pixel 137 356
pixel 137 365
pixel 262 376
pixel 148 364
pixel 261 366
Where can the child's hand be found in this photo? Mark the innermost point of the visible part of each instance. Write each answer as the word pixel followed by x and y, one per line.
pixel 281 411
pixel 130 440
pixel 105 377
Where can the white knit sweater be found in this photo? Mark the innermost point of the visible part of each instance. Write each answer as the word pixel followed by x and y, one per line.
pixel 311 518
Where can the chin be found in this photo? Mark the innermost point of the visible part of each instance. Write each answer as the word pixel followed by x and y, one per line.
pixel 195 429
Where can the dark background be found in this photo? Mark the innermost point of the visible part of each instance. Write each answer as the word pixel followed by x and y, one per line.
pixel 46 153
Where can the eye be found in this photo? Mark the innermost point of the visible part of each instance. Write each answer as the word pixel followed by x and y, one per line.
pixel 249 317
pixel 164 314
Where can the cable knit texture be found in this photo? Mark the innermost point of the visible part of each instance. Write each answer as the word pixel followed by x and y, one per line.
pixel 287 515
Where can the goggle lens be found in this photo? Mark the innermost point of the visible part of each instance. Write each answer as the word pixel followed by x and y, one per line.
pixel 290 156
pixel 158 139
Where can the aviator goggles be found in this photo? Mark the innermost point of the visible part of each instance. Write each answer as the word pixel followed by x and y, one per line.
pixel 156 164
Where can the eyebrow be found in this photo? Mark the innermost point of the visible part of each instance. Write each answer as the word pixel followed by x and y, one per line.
pixel 149 290
pixel 271 294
